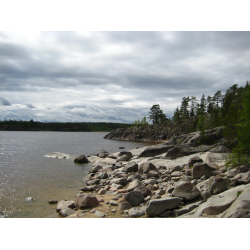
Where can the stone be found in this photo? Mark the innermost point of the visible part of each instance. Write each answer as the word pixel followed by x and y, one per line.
pixel 153 173
pixel 102 191
pixel 187 191
pixel 126 156
pixel 130 167
pixel 96 168
pixel 81 159
pixel 64 204
pixel 113 203
pixel 242 178
pixel 216 204
pixel 175 168
pixel 144 191
pixel 134 184
pixel 146 167
pixel 200 169
pixel 166 214
pixel 178 151
pixel 133 177
pixel 52 201
pixel 159 206
pixel 176 174
pixel 66 211
pixel 120 181
pixel 124 206
pixel 89 188
pixel 219 149
pixel 149 181
pixel 155 150
pixel 103 154
pixel 135 212
pixel 86 201
pixel 100 214
pixel 135 198
pixel 240 208
pixel 186 209
pixel 194 160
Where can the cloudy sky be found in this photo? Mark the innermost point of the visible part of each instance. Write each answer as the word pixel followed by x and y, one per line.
pixel 114 76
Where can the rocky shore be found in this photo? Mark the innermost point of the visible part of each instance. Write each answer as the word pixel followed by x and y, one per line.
pixel 180 178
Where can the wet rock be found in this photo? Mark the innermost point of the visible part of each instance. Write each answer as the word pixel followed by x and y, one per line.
pixel 81 159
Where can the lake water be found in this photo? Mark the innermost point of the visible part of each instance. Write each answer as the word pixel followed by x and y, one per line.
pixel 26 173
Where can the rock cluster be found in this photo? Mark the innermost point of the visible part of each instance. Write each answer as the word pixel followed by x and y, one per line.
pixel 166 180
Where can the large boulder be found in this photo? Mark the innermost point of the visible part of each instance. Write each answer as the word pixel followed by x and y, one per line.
pixel 81 159
pixel 135 198
pixel 214 185
pixel 242 178
pixel 155 150
pixel 159 206
pixel 86 201
pixel 241 207
pixel 187 191
pixel 146 167
pixel 200 169
pixel 103 154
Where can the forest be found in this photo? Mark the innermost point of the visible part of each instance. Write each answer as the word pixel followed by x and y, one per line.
pixel 31 125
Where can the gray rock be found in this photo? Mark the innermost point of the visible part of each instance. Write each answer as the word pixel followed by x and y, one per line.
pixel 95 168
pixel 124 206
pixel 194 160
pixel 81 159
pixel 178 151
pixel 113 203
pixel 100 214
pixel 241 207
pixel 175 169
pixel 126 156
pixel 64 204
pixel 102 191
pixel 121 181
pixel 133 177
pixel 135 198
pixel 130 167
pixel 242 178
pixel 155 150
pixel 135 212
pixel 66 211
pixel 86 201
pixel 176 174
pixel 159 206
pixel 186 209
pixel 146 167
pixel 103 154
pixel 187 191
pixel 134 184
pixel 219 149
pixel 200 169
pixel 89 188
pixel 166 214
pixel 153 173
pixel 145 191
pixel 149 181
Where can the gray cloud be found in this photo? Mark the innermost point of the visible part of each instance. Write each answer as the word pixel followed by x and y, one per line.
pixel 4 102
pixel 75 76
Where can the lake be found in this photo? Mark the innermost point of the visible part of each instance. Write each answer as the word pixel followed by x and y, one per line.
pixel 28 179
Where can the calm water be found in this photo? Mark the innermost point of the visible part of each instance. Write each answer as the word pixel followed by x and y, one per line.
pixel 25 171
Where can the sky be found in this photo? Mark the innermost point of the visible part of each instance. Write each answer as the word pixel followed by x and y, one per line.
pixel 114 76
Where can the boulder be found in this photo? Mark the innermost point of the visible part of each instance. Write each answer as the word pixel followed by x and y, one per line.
pixel 145 191
pixel 155 150
pixel 100 214
pixel 242 178
pixel 102 191
pixel 113 203
pixel 186 209
pixel 121 181
pixel 135 212
pixel 194 160
pixel 64 204
pixel 86 201
pixel 81 159
pixel 214 185
pixel 241 207
pixel 135 198
pixel 146 167
pixel 200 169
pixel 219 149
pixel 159 206
pixel 124 206
pixel 133 177
pixel 216 204
pixel 178 151
pixel 89 188
pixel 187 191
pixel 126 156
pixel 103 154
pixel 95 168
pixel 66 211
pixel 175 168
pixel 130 167
pixel 153 173
pixel 134 184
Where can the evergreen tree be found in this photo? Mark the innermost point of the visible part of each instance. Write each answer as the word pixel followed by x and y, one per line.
pixel 185 107
pixel 157 115
pixel 193 105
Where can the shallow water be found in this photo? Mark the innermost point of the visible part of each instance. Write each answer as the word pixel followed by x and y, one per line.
pixel 28 179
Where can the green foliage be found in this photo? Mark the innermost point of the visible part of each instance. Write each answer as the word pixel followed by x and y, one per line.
pixel 239 193
pixel 142 122
pixel 236 158
pixel 157 115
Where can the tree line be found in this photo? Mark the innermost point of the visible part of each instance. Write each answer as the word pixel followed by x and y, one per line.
pixel 13 125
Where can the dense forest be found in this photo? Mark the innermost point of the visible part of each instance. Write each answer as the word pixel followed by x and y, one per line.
pixel 59 126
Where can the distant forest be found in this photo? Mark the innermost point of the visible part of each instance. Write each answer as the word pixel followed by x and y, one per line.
pixel 59 126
